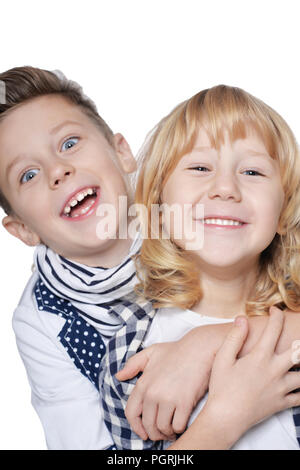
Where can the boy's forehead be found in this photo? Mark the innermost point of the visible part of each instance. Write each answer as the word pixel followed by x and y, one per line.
pixel 28 123
pixel 42 110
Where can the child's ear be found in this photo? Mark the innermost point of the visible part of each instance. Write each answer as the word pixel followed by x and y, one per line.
pixel 19 230
pixel 124 154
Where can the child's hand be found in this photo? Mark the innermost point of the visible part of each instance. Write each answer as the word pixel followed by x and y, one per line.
pixel 244 391
pixel 175 377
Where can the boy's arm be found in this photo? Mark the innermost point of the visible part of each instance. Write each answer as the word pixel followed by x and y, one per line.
pixel 243 391
pixel 66 402
pixel 161 392
pixel 289 335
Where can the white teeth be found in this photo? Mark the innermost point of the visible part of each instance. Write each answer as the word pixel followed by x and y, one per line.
pixel 221 222
pixel 78 198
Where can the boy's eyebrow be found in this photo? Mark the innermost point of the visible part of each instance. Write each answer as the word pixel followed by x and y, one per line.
pixel 54 130
pixel 57 128
pixel 13 163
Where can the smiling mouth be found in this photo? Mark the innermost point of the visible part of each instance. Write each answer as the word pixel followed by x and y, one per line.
pixel 81 203
pixel 222 222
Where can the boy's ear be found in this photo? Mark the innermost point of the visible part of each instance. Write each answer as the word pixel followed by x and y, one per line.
pixel 124 154
pixel 19 230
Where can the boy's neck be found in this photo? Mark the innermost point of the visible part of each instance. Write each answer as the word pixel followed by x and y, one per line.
pixel 111 256
pixel 225 296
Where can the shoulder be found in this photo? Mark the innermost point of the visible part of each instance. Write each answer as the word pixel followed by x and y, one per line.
pixel 27 317
pixel 170 324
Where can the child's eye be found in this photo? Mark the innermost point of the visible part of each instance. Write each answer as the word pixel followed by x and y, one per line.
pixel 69 143
pixel 253 173
pixel 28 175
pixel 200 168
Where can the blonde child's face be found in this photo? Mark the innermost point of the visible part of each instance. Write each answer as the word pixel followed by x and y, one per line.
pixel 241 191
pixel 49 152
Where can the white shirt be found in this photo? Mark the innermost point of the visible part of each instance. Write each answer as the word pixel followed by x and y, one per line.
pixel 275 433
pixel 67 403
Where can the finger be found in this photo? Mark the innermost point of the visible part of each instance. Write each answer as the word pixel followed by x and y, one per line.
pixel 149 421
pixel 287 360
pixel 138 428
pixel 233 342
pixel 272 331
pixel 133 413
pixel 134 404
pixel 134 365
pixel 180 419
pixel 292 382
pixel 292 400
pixel 164 420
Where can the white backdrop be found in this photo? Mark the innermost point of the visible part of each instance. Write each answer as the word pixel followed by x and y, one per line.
pixel 137 59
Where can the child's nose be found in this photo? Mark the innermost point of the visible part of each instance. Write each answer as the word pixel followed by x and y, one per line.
pixel 58 173
pixel 225 187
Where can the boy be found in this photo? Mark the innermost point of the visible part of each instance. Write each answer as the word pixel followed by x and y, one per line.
pixel 63 162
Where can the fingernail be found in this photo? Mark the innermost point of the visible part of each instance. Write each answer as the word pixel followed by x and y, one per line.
pixel 238 321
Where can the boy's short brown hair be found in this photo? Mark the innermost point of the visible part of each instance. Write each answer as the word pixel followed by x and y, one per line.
pixel 25 83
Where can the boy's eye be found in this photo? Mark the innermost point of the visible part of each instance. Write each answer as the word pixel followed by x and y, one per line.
pixel 28 175
pixel 69 143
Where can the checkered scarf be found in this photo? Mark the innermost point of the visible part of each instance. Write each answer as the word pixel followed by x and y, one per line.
pixel 127 342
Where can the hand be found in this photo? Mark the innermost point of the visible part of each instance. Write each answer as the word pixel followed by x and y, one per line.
pixel 244 391
pixel 161 402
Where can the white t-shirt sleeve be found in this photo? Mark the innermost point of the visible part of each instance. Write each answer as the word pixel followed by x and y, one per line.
pixel 67 403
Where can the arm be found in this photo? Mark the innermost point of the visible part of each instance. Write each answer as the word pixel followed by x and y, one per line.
pixel 66 402
pixel 160 404
pixel 243 391
pixel 163 398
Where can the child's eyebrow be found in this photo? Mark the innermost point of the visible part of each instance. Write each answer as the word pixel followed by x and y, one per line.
pixel 256 153
pixel 13 163
pixel 202 148
pixel 57 128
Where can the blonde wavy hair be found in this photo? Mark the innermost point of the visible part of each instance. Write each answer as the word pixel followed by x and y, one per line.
pixel 167 274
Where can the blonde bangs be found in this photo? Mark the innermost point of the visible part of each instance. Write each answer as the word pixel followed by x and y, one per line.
pixel 169 277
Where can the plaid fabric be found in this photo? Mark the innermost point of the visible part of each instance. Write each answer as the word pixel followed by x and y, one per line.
pixel 296 411
pixel 296 416
pixel 127 342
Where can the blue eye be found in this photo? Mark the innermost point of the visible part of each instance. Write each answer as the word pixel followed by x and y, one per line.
pixel 69 143
pixel 28 175
pixel 200 168
pixel 253 172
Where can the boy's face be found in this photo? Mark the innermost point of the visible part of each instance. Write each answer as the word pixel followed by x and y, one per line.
pixel 51 154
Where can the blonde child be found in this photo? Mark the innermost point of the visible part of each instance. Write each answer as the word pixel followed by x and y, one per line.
pixel 229 151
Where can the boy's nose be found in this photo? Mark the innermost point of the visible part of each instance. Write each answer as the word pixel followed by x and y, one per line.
pixel 58 173
pixel 224 187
